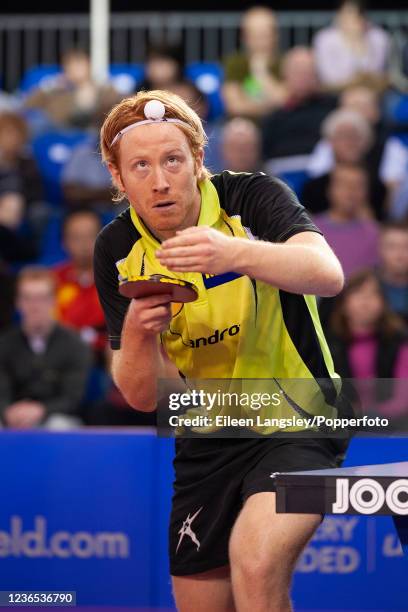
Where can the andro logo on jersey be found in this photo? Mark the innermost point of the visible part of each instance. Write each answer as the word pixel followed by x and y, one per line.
pixel 369 496
pixel 217 336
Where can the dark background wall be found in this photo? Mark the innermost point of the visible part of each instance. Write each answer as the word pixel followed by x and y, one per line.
pixel 80 6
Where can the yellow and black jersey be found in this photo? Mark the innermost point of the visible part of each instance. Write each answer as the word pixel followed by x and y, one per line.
pixel 239 327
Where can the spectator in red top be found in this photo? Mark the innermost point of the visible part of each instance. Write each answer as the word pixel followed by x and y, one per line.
pixel 77 301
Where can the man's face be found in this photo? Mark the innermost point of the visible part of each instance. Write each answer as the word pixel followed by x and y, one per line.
pixel 159 176
pixel 394 251
pixel 79 238
pixel 36 303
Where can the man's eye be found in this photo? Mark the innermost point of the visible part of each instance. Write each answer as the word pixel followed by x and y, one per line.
pixel 141 164
pixel 173 161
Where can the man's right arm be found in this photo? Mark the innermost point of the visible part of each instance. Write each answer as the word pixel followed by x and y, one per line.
pixel 134 326
pixel 139 363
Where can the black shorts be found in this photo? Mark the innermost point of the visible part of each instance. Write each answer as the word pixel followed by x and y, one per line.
pixel 214 477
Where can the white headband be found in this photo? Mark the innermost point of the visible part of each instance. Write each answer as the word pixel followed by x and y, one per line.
pixel 154 112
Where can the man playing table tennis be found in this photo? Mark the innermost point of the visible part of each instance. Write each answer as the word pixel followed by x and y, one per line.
pixel 256 261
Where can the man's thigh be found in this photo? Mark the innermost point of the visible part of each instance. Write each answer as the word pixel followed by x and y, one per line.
pixel 269 543
pixel 203 592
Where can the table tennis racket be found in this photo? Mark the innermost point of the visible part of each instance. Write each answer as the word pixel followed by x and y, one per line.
pixel 157 284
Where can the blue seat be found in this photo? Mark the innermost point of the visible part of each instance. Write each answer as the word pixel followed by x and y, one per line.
pixel 401 110
pixel 52 250
pixel 402 137
pixel 39 76
pixel 52 150
pixel 295 179
pixel 208 78
pixel 126 77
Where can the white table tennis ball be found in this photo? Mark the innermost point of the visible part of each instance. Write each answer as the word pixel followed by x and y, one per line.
pixel 154 109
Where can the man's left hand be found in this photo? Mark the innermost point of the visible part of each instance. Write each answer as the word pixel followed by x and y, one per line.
pixel 198 249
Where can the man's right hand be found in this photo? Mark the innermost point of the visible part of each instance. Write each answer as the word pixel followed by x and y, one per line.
pixel 150 315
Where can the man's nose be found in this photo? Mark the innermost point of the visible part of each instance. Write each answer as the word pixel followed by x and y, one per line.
pixel 160 182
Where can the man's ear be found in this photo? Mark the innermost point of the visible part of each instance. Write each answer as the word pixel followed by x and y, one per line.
pixel 117 179
pixel 199 161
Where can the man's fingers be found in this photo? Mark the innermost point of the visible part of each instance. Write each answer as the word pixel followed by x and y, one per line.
pixel 190 236
pixel 159 313
pixel 187 264
pixel 180 251
pixel 158 323
pixel 155 300
pixel 193 229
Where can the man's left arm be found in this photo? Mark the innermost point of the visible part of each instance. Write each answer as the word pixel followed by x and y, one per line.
pixel 304 264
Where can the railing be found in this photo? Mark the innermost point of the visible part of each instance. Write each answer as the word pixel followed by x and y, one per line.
pixel 28 40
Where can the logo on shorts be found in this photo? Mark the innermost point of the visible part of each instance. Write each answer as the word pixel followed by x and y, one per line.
pixel 186 530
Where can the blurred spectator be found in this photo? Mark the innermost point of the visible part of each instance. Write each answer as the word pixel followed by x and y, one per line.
pixel 77 300
pixel 85 179
pixel 253 86
pixel 15 246
pixel 399 61
pixel 189 92
pixel 289 134
pixel 393 266
pixel 387 156
pixel 8 102
pixel 164 66
pixel 369 342
pixel 198 101
pixel 74 97
pixel 241 146
pixel 16 159
pixel 19 168
pixel 43 366
pixel 7 281
pixel 347 139
pixel 114 411
pixel 347 225
pixel 363 99
pixel 399 201
pixel 351 46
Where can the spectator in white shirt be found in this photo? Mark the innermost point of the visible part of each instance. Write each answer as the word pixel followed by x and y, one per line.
pixel 351 46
